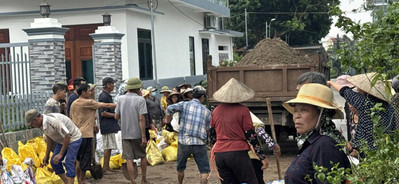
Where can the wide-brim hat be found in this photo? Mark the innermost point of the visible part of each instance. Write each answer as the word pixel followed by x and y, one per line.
pixel 165 89
pixel 152 89
pixel 173 93
pixel 233 92
pixel 145 92
pixel 92 86
pixel 184 91
pixel 315 94
pixel 363 82
pixel 134 83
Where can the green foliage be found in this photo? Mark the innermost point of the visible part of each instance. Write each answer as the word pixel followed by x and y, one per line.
pixel 301 20
pixel 376 45
pixel 379 166
pixel 237 57
pixel 227 63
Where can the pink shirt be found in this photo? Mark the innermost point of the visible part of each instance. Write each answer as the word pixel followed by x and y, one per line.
pixel 230 122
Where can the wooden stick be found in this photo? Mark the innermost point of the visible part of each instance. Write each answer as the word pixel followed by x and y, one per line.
pixel 4 134
pixel 271 122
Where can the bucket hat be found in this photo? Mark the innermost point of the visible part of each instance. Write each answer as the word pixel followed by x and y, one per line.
pixel 315 94
pixel 363 82
pixel 165 89
pixel 233 92
pixel 134 83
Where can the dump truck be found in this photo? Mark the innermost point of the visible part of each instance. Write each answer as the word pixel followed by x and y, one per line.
pixel 275 81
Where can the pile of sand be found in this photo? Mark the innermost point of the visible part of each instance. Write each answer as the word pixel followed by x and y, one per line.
pixel 272 52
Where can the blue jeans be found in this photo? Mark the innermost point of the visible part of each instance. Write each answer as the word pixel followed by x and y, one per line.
pixel 200 156
pixel 70 155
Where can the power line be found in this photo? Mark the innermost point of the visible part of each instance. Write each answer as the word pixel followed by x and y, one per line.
pixel 185 14
pixel 287 13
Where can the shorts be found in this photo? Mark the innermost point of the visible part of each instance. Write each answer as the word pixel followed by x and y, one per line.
pixel 85 154
pixel 132 149
pixel 109 141
pixel 69 155
pixel 235 167
pixel 200 156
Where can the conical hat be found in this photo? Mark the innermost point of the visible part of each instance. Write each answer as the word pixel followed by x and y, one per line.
pixel 363 82
pixel 233 92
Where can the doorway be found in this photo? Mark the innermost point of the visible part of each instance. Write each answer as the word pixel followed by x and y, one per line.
pixel 145 54
pixel 5 72
pixel 78 52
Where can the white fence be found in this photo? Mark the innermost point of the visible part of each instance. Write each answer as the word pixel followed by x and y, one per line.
pixel 15 90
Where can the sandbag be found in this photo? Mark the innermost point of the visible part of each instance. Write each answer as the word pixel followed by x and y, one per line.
pixel 115 162
pixel 169 137
pixel 5 177
pixel 154 156
pixel 28 151
pixel 153 134
pixel 42 175
pixel 170 152
pixel 11 157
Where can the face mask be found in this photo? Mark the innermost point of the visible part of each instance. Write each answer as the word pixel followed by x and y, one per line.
pixel 154 93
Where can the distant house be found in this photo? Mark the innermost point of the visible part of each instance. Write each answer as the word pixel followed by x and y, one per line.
pixel 185 31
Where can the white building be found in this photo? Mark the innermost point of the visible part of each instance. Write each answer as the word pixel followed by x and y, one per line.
pixel 185 31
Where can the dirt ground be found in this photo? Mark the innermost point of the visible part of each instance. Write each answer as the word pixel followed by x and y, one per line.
pixel 166 173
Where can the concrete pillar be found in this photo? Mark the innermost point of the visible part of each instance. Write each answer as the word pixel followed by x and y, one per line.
pixel 47 53
pixel 107 54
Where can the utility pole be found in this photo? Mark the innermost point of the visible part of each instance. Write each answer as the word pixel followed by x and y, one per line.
pixel 151 4
pixel 246 29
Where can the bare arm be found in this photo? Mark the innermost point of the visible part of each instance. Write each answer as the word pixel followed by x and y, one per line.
pixel 168 118
pixel 108 105
pixel 107 114
pixel 142 128
pixel 117 116
pixel 49 143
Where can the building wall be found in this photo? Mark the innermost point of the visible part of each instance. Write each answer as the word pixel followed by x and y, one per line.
pixel 172 32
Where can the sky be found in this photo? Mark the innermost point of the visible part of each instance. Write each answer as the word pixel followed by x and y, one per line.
pixel 347 6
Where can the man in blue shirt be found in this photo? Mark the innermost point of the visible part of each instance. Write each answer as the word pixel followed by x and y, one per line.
pixel 108 124
pixel 76 83
pixel 194 122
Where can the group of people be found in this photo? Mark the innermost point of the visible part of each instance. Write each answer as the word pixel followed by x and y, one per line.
pixel 238 144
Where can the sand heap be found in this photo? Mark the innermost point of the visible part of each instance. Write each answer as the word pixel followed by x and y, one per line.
pixel 272 52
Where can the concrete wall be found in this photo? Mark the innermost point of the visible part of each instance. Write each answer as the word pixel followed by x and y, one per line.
pixel 23 136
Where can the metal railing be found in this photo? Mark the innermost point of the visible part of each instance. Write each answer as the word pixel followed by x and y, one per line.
pixel 16 96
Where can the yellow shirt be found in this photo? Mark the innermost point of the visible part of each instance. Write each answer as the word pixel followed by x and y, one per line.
pixel 164 104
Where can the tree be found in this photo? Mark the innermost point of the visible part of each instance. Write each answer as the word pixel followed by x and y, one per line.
pixel 302 21
pixel 376 44
pixel 376 49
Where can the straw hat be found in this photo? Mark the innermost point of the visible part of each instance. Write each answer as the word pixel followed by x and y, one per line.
pixel 184 91
pixel 144 92
pixel 363 82
pixel 173 93
pixel 233 92
pixel 315 94
pixel 165 89
pixel 92 86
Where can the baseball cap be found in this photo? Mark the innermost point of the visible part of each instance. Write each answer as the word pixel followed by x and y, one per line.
pixel 30 116
pixel 108 80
